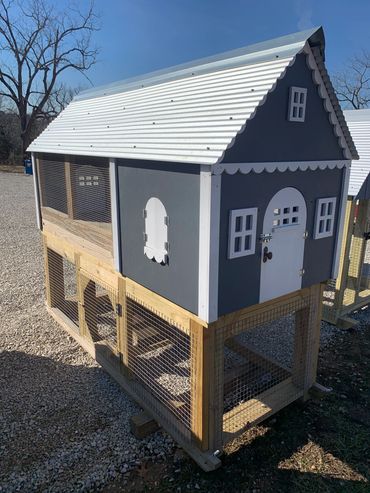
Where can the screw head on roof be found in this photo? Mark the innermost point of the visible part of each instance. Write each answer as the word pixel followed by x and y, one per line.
pixel 134 147
pixel 208 148
pixel 230 118
pixel 107 126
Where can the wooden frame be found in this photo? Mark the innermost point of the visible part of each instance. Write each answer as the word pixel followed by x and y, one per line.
pixel 346 294
pixel 207 432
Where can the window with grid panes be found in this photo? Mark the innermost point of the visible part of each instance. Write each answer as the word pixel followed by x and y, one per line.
pixel 297 104
pixel 242 232
pixel 325 215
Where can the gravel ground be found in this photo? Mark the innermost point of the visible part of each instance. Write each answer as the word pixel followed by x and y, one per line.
pixel 63 420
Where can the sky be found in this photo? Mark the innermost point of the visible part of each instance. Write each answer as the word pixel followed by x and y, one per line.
pixel 139 36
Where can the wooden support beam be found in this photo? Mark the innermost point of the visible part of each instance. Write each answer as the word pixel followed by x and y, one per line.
pixel 123 341
pixel 307 341
pixel 54 276
pixel 142 425
pixel 68 173
pixel 202 373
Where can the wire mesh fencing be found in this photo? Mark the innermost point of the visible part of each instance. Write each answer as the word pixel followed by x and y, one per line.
pixel 159 357
pixel 75 195
pixel 100 315
pixel 267 360
pixel 62 286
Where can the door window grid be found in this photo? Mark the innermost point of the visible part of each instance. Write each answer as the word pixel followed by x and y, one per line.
pixel 88 180
pixel 325 215
pixel 297 104
pixel 286 216
pixel 242 232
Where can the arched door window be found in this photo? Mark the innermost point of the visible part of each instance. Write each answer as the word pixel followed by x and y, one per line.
pixel 156 231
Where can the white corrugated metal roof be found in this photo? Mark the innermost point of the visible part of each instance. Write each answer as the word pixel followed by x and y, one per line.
pixel 191 113
pixel 358 122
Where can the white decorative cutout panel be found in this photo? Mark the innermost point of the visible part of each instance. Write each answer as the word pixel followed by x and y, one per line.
pixel 325 216
pixel 156 231
pixel 242 232
pixel 297 104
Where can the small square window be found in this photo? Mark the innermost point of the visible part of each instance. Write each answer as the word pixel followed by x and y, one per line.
pixel 286 221
pixel 242 232
pixel 297 104
pixel 325 215
pixel 295 219
pixel 276 222
pixel 286 210
pixel 276 212
pixel 295 208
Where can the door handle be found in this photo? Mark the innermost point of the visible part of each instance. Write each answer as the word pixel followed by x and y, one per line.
pixel 266 254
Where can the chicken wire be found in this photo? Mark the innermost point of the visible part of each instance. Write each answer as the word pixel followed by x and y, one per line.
pixel 100 306
pixel 263 359
pixel 62 285
pixel 75 194
pixel 159 358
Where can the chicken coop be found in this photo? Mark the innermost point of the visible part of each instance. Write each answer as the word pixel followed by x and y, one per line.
pixel 350 291
pixel 190 218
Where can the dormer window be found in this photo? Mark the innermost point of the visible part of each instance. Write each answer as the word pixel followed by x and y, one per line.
pixel 156 231
pixel 297 104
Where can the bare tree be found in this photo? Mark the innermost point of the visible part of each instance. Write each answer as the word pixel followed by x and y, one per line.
pixel 38 45
pixel 353 84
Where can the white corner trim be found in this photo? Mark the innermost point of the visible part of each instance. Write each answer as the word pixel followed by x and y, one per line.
pixel 317 78
pixel 209 235
pixel 271 167
pixel 340 230
pixel 115 215
pixel 36 191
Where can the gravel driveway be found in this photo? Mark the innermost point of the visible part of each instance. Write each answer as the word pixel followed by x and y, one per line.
pixel 63 420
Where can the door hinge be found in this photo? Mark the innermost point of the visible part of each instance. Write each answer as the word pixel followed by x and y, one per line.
pixel 301 272
pixel 118 309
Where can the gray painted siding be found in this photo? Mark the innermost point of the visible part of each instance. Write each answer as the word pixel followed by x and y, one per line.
pixel 239 278
pixel 178 188
pixel 269 136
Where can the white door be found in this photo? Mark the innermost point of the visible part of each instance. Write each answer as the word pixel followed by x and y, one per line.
pixel 282 257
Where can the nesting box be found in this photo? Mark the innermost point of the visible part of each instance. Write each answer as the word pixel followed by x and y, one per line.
pixel 189 218
pixel 350 291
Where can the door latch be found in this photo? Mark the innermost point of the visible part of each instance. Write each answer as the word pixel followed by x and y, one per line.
pixel 266 254
pixel 265 237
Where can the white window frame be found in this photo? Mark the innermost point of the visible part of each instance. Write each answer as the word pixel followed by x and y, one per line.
pixel 243 233
pixel 323 216
pixel 298 106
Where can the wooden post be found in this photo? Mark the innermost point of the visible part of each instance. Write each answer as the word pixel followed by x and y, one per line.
pixel 69 189
pixel 202 374
pixel 54 276
pixel 122 326
pixel 356 254
pixel 307 341
pixel 341 283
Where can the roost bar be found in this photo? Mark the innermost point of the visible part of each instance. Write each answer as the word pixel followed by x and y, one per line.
pixel 190 218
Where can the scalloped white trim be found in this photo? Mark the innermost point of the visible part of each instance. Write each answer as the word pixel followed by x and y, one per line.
pixel 323 93
pixel 271 167
pixel 158 256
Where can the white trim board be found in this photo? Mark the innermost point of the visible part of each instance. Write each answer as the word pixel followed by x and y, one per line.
pixel 271 167
pixel 340 230
pixel 318 80
pixel 117 260
pixel 36 191
pixel 209 236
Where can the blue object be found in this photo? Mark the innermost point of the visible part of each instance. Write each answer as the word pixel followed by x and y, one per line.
pixel 27 163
